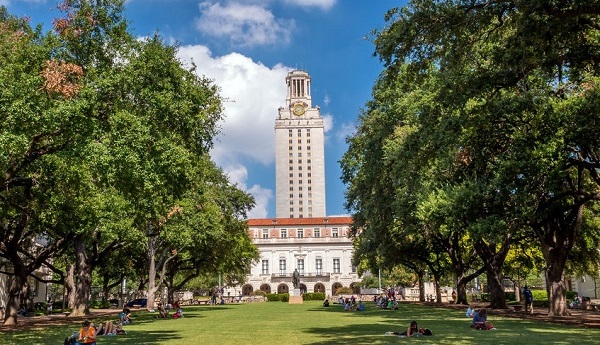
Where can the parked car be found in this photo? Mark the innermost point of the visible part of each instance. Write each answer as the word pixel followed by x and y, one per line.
pixel 137 302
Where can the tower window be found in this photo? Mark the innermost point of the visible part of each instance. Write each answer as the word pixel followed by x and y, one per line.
pixel 289 132
pixel 291 141
pixel 299 141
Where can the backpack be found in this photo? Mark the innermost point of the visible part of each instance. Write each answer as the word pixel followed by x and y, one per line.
pixel 528 296
pixel 70 340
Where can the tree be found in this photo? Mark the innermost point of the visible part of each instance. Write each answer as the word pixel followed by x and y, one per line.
pixel 519 75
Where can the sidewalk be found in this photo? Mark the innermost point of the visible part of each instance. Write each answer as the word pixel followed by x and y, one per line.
pixel 38 322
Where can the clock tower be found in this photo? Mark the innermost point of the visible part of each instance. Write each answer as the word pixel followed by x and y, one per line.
pixel 299 152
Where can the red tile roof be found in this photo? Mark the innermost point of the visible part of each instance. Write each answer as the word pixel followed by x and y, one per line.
pixel 300 221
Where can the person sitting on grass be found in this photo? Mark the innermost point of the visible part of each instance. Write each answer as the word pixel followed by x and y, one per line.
pixel 480 320
pixel 326 303
pixel 87 334
pixel 125 316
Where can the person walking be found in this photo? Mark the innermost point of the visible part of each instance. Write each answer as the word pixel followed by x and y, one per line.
pixel 528 297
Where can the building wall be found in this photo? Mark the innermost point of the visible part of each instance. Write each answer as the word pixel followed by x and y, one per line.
pixel 326 247
pixel 299 153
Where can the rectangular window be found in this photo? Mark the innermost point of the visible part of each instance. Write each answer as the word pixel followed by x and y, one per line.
pixel 265 233
pixel 283 232
pixel 265 267
pixel 282 266
pixel 291 174
pixel 291 209
pixel 299 154
pixel 317 232
pixel 334 232
pixel 290 148
pixel 289 132
pixel 291 202
pixel 291 141
pixel 308 147
pixel 291 161
pixel 291 154
pixel 308 141
pixel 291 189
pixel 291 168
pixel 300 233
pixel 299 161
pixel 291 195
pixel 299 174
pixel 300 264
pixel 299 141
pixel 336 265
pixel 319 266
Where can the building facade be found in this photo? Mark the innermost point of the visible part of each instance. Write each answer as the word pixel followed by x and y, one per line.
pixel 299 153
pixel 301 236
pixel 319 248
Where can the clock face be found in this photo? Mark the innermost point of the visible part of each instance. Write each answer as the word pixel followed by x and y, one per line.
pixel 298 109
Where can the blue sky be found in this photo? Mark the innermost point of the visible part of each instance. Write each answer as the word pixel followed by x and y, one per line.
pixel 247 47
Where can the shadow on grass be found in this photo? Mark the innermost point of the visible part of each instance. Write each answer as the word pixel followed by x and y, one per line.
pixel 449 327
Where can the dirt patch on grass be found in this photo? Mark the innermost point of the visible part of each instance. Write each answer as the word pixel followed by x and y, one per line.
pixel 39 322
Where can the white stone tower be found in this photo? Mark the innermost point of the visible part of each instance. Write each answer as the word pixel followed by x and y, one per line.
pixel 299 153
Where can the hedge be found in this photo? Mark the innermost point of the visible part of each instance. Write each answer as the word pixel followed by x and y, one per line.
pixel 313 296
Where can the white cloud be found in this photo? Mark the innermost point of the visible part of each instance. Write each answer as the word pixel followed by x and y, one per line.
pixel 238 174
pixel 323 4
pixel 253 93
pixel 346 130
pixel 243 24
pixel 327 122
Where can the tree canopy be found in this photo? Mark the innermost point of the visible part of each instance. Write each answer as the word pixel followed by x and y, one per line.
pixel 485 122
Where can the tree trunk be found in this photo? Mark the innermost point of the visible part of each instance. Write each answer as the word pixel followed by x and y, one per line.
pixel 70 285
pixel 558 237
pixel 151 273
pixel 18 287
pixel 84 280
pixel 496 290
pixel 556 293
pixel 461 291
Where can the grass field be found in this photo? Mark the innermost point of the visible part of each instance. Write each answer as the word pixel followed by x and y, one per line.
pixel 310 323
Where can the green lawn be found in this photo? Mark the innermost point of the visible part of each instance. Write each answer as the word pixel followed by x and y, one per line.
pixel 310 323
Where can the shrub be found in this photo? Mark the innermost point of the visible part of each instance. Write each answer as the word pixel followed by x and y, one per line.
pixel 510 296
pixel 313 296
pixel 570 295
pixel 539 295
pixel 344 291
pixel 284 297
pixel 271 297
pixel 259 293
